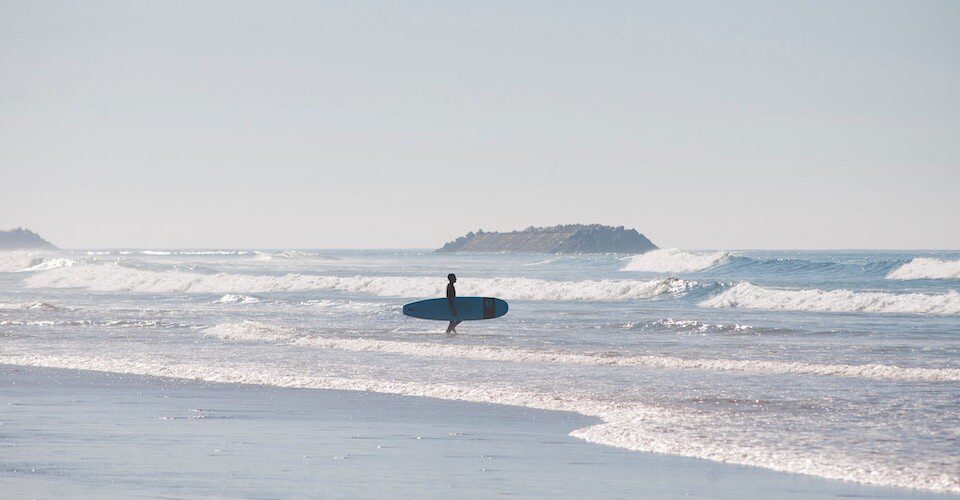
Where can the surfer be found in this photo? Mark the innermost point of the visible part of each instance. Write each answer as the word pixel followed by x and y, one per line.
pixel 452 294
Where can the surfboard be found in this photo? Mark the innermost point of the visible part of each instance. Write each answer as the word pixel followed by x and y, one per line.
pixel 468 309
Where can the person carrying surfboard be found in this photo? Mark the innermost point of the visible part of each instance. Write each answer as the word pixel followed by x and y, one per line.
pixel 451 295
pixel 456 309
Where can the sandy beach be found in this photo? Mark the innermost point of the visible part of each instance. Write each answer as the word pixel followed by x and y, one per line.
pixel 431 249
pixel 93 434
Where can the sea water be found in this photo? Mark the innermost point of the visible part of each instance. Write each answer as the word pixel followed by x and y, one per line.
pixel 843 365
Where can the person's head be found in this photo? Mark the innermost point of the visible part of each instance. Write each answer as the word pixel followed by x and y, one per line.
pixel 452 277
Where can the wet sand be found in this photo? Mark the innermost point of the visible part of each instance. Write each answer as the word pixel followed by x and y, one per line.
pixel 90 434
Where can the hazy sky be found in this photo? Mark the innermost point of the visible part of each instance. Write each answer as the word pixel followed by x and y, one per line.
pixel 405 124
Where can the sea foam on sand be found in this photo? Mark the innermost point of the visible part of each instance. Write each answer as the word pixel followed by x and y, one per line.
pixel 632 425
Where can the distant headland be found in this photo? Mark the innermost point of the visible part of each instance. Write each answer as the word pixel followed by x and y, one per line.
pixel 23 239
pixel 570 238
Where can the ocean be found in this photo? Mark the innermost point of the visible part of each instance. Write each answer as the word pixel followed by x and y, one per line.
pixel 837 364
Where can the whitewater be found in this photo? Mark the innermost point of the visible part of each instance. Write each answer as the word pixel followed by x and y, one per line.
pixel 718 355
pixel 927 268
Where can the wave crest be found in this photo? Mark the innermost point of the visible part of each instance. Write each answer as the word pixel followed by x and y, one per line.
pixel 232 298
pixel 926 268
pixel 115 278
pixel 45 264
pixel 292 254
pixel 28 305
pixel 674 261
pixel 750 296
pixel 16 262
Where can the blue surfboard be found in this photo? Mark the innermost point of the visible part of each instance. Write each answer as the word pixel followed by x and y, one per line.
pixel 468 309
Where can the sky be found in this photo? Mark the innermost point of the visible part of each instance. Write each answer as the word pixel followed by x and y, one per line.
pixel 283 124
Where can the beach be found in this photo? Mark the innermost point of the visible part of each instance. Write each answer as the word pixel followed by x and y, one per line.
pixel 743 372
pixel 93 434
pixel 478 249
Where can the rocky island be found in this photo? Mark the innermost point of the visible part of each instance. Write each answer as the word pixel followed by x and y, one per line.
pixel 23 239
pixel 570 238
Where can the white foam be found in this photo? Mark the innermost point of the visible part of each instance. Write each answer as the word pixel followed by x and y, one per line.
pixel 542 262
pixel 214 252
pixel 140 323
pixel 120 323
pixel 232 298
pixel 119 278
pixel 194 252
pixel 690 325
pixel 46 264
pixel 925 268
pixel 348 306
pixel 250 331
pixel 14 261
pixel 690 434
pixel 507 354
pixel 18 261
pixel 28 305
pixel 750 296
pixel 674 261
pixel 31 261
pixel 292 254
pixel 633 425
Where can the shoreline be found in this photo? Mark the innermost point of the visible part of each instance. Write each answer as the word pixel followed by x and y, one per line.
pixel 65 427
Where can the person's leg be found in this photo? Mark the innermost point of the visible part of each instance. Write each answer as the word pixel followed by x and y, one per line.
pixel 452 327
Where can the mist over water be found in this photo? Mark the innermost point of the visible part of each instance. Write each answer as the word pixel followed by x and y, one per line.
pixel 843 365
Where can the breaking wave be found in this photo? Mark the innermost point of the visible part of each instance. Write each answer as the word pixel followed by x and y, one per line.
pixel 188 252
pixel 28 305
pixel 15 262
pixel 750 296
pixel 743 266
pixel 675 261
pixel 11 262
pixel 926 268
pixel 46 264
pixel 232 298
pixel 543 262
pixel 114 278
pixel 292 254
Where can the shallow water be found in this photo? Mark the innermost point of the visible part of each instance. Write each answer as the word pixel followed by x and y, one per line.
pixel 843 365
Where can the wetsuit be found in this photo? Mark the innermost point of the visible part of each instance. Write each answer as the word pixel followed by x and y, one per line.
pixel 452 294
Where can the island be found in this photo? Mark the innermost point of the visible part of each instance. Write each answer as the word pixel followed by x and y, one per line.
pixel 569 238
pixel 23 239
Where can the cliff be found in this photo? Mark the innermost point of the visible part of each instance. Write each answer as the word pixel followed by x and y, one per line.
pixel 23 239
pixel 571 238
